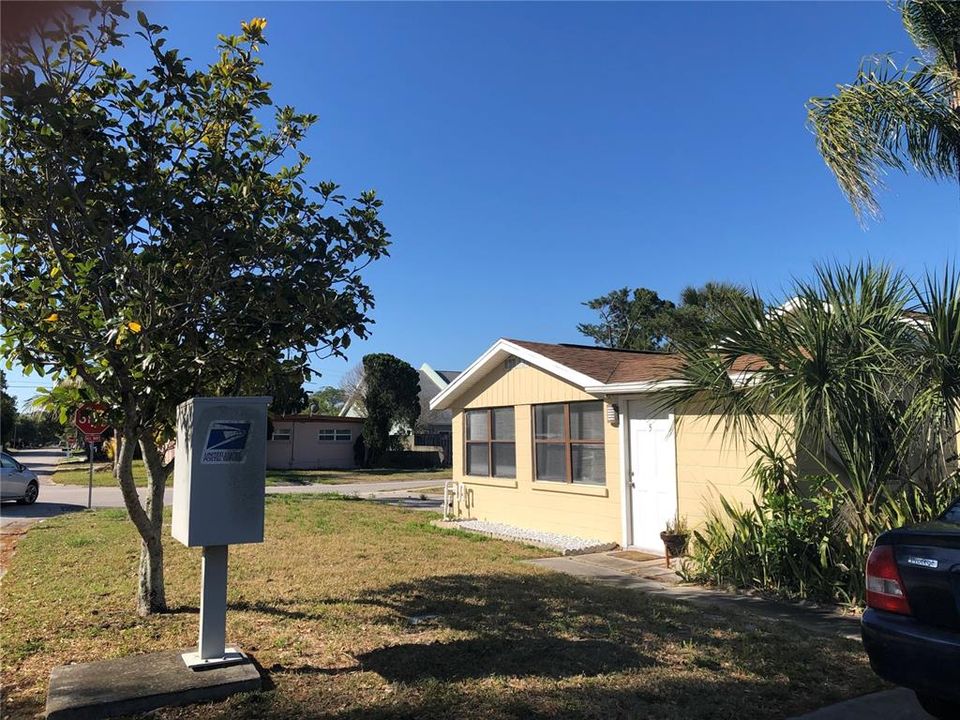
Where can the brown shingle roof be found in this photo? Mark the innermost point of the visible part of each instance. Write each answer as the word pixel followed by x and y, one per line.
pixel 607 365
pixel 748 363
pixel 302 417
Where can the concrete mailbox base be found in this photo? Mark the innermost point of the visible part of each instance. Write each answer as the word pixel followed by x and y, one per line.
pixel 140 683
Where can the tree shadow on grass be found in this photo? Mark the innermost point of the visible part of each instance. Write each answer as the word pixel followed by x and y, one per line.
pixel 273 608
pixel 292 479
pixel 484 657
pixel 522 606
pixel 559 626
pixel 675 698
pixel 182 610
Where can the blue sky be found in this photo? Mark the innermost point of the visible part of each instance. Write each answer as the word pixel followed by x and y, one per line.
pixel 533 156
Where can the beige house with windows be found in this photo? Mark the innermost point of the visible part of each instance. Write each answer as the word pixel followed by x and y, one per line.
pixel 312 442
pixel 568 439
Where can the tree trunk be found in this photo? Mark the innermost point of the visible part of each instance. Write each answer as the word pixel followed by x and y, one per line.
pixel 149 523
pixel 150 593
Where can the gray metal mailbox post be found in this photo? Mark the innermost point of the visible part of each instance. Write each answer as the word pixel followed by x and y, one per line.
pixel 218 500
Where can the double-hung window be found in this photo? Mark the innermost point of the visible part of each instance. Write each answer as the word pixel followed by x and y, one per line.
pixel 568 440
pixel 490 437
pixel 331 435
pixel 280 434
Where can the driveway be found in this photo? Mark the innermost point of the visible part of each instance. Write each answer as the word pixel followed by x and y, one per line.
pixel 43 461
pixel 897 704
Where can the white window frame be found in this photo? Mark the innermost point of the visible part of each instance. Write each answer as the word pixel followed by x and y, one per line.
pixel 284 434
pixel 334 435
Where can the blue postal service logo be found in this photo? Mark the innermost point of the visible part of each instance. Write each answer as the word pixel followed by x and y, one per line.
pixel 226 442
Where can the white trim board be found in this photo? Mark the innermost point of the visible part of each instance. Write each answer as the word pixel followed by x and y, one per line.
pixel 434 376
pixel 496 354
pixel 503 349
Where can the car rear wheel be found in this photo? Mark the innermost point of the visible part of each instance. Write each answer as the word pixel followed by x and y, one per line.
pixel 938 707
pixel 30 496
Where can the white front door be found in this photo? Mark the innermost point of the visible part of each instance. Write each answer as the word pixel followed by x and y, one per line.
pixel 652 481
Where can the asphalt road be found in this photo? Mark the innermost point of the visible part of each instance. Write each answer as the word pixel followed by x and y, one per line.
pixel 59 499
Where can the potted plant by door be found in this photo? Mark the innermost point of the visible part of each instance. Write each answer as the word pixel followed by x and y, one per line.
pixel 675 537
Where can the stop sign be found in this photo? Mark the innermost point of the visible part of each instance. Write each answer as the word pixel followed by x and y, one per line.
pixel 90 418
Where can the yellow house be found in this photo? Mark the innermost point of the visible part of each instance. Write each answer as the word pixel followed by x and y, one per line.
pixel 568 439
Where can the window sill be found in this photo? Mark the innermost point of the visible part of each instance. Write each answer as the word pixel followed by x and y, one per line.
pixel 491 481
pixel 571 488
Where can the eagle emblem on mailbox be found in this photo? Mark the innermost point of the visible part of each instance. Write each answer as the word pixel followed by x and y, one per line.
pixel 226 442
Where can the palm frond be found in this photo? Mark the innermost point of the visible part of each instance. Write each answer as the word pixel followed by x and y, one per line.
pixel 888 118
pixel 939 331
pixel 934 26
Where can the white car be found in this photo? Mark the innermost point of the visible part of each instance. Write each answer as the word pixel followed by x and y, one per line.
pixel 17 481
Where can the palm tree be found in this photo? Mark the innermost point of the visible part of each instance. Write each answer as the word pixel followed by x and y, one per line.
pixel 861 368
pixel 60 400
pixel 892 117
pixel 848 395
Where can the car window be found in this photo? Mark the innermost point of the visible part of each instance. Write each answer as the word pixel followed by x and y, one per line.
pixel 953 514
pixel 7 461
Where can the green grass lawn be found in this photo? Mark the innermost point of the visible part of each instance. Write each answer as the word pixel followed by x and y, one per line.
pixel 325 604
pixel 78 473
pixel 72 473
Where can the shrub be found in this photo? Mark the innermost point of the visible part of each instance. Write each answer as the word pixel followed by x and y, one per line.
pixel 802 544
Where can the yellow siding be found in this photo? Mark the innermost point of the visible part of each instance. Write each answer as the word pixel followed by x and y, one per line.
pixel 521 385
pixel 528 505
pixel 710 464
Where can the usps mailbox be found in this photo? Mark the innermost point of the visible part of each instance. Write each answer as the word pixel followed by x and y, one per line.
pixel 218 500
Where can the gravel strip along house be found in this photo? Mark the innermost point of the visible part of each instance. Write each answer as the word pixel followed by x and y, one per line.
pixel 567 439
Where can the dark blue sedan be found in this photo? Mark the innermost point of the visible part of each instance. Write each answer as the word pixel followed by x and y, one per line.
pixel 911 629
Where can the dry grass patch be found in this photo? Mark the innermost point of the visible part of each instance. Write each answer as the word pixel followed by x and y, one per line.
pixel 359 610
